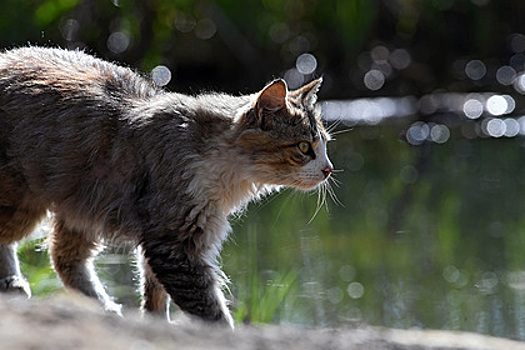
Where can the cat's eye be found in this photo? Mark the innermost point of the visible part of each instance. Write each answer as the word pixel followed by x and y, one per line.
pixel 304 146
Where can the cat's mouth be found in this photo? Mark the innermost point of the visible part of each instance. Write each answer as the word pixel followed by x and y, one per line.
pixel 310 184
pixel 312 180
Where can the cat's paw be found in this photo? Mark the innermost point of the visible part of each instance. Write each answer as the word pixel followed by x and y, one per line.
pixel 15 284
pixel 113 307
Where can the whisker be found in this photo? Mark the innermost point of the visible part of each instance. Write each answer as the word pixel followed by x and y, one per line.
pixel 334 125
pixel 326 188
pixel 320 200
pixel 332 194
pixel 335 181
pixel 319 196
pixel 335 199
pixel 341 131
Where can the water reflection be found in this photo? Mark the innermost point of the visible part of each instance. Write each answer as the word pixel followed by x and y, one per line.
pixel 452 108
pixel 369 111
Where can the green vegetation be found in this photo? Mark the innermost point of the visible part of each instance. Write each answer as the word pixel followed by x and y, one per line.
pixel 259 293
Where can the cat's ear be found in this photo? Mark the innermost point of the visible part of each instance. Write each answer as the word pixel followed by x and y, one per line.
pixel 273 97
pixel 308 93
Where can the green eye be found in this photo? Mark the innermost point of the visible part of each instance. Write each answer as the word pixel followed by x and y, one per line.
pixel 304 146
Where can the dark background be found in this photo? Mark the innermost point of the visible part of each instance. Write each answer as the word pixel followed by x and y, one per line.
pixel 237 46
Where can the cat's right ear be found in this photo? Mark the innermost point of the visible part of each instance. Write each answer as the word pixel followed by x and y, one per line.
pixel 272 98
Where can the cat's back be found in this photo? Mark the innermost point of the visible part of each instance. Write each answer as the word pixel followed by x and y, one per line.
pixel 61 113
pixel 63 75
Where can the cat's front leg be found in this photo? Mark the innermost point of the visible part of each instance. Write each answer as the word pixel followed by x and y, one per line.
pixel 191 282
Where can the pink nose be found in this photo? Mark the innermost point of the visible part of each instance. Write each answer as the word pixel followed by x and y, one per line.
pixel 327 171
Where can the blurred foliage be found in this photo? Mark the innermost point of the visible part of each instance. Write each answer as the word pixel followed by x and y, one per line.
pixel 237 46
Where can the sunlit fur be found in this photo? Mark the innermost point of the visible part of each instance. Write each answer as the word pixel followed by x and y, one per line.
pixel 110 154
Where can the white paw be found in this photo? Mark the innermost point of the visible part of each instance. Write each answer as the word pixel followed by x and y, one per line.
pixel 113 307
pixel 16 284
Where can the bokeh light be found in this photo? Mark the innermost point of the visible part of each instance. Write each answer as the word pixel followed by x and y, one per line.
pixel 347 273
pixel 417 133
pixel 379 54
pixel 451 274
pixel 355 290
pixel 506 75
pixel 374 79
pixel 473 108
pixel 118 42
pixel 512 127
pixel 184 23
pixel 335 295
pixel 497 105
pixel 519 84
pixel 205 29
pixel 369 111
pixel 495 127
pixel 306 63
pixel 400 59
pixel 293 78
pixel 475 70
pixel 511 103
pixel 161 75
pixel 439 134
pixel 517 43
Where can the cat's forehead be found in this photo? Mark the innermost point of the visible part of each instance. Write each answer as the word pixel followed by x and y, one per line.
pixel 302 123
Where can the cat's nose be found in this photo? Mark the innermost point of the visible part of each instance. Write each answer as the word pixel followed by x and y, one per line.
pixel 327 170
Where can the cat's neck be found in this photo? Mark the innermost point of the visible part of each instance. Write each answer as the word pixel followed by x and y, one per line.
pixel 221 171
pixel 224 179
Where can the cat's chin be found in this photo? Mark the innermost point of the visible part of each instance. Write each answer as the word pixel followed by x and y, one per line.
pixel 308 186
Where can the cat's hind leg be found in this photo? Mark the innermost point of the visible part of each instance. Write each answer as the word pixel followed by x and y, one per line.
pixel 11 278
pixel 15 224
pixel 155 300
pixel 72 254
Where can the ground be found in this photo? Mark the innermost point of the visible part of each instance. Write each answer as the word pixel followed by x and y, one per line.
pixel 70 322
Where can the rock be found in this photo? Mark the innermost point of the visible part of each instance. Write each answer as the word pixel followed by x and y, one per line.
pixel 72 322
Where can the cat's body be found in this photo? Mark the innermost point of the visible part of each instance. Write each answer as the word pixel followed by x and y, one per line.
pixel 111 154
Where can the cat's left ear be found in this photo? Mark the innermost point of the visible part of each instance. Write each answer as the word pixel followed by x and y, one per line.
pixel 308 93
pixel 273 97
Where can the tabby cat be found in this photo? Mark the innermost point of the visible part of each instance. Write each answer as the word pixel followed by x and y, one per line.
pixel 112 155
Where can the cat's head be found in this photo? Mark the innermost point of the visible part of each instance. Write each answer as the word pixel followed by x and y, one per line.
pixel 285 138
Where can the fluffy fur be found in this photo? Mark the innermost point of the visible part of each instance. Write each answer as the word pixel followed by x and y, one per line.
pixel 111 154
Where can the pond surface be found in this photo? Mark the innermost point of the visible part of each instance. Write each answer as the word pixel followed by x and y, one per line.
pixel 428 236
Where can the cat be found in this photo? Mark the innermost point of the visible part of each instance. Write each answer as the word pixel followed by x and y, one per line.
pixel 112 155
